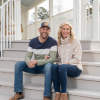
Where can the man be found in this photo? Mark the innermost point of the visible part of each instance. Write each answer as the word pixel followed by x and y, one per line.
pixel 39 46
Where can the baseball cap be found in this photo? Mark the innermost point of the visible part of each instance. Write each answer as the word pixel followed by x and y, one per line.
pixel 45 24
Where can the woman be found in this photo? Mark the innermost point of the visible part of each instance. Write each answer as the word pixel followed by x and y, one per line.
pixel 70 53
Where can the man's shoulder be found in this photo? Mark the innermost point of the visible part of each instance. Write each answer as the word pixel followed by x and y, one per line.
pixel 34 39
pixel 53 40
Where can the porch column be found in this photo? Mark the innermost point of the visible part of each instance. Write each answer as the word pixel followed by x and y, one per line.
pixel 96 35
pixel 77 18
pixel 50 15
pixel 84 19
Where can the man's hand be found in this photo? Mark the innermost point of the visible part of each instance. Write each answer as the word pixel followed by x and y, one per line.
pixel 32 63
pixel 46 57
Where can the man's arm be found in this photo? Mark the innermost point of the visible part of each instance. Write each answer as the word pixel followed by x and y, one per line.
pixel 28 57
pixel 50 60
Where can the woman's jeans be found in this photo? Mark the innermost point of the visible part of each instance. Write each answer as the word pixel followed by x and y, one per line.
pixel 45 69
pixel 60 73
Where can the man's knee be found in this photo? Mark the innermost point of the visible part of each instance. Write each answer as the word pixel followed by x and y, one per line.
pixel 48 67
pixel 19 65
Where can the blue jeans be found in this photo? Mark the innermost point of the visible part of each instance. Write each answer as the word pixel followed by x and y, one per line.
pixel 45 69
pixel 60 73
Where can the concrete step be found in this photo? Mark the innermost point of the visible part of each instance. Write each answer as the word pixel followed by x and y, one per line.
pixel 87 80
pixel 9 63
pixel 86 44
pixel 87 55
pixel 90 44
pixel 14 53
pixel 22 44
pixel 94 66
pixel 6 97
pixel 8 75
pixel 91 55
pixel 91 68
pixel 35 91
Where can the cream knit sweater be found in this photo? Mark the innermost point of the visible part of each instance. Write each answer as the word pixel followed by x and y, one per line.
pixel 70 52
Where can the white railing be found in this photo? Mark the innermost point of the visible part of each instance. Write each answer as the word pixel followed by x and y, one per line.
pixel 91 21
pixel 10 22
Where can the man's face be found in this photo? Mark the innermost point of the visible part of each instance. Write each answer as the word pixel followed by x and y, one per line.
pixel 44 32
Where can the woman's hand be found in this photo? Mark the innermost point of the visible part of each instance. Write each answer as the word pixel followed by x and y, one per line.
pixel 46 57
pixel 67 63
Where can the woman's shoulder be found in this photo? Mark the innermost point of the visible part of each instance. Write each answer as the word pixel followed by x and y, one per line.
pixel 76 40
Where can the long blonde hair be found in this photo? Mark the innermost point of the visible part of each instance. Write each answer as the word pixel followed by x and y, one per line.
pixel 72 35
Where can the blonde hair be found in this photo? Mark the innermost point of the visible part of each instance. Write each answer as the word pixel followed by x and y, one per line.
pixel 72 35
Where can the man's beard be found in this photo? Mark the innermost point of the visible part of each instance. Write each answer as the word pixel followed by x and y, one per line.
pixel 44 37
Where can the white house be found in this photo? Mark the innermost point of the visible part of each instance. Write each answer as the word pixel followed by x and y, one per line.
pixel 19 22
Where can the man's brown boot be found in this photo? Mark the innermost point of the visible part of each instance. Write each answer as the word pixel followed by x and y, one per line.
pixel 17 96
pixel 57 96
pixel 46 98
pixel 64 96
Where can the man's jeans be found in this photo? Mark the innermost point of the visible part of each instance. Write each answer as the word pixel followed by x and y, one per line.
pixel 45 69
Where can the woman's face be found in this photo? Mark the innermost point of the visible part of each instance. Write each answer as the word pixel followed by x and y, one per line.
pixel 65 31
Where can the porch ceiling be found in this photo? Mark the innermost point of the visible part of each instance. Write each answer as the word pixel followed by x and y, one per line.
pixel 26 2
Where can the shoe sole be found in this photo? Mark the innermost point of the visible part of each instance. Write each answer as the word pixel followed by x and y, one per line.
pixel 20 98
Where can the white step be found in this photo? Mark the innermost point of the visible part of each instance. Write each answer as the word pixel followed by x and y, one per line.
pixel 91 68
pixel 94 66
pixel 9 62
pixel 14 53
pixel 91 55
pixel 22 44
pixel 87 80
pixel 35 91
pixel 90 44
pixel 8 75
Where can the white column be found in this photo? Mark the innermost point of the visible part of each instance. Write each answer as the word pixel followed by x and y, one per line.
pixel 77 18
pixel 18 37
pixel 96 35
pixel 84 19
pixel 50 15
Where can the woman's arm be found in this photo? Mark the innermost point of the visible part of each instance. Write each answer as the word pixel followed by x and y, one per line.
pixel 77 53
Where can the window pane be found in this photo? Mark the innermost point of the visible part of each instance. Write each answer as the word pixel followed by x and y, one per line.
pixel 32 16
pixel 43 10
pixel 89 1
pixel 60 6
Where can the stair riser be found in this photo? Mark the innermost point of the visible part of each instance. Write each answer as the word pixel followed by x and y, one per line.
pixel 34 94
pixel 87 56
pixel 8 64
pixel 83 84
pixel 90 45
pixel 14 54
pixel 91 70
pixel 19 45
pixel 76 97
pixel 10 77
pixel 39 79
pixel 38 95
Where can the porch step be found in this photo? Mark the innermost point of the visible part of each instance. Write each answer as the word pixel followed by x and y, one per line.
pixel 89 68
pixel 35 91
pixel 88 55
pixel 90 44
pixel 91 55
pixel 87 80
pixel 22 44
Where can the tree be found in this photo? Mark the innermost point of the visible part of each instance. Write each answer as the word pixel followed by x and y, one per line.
pixel 42 13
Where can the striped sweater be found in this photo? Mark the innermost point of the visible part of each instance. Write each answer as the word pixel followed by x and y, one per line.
pixel 38 50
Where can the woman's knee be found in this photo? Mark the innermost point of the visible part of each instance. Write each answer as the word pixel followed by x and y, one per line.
pixel 55 68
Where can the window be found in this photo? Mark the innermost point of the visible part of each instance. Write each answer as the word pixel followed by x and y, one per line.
pixel 60 6
pixel 32 16
pixel 43 10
